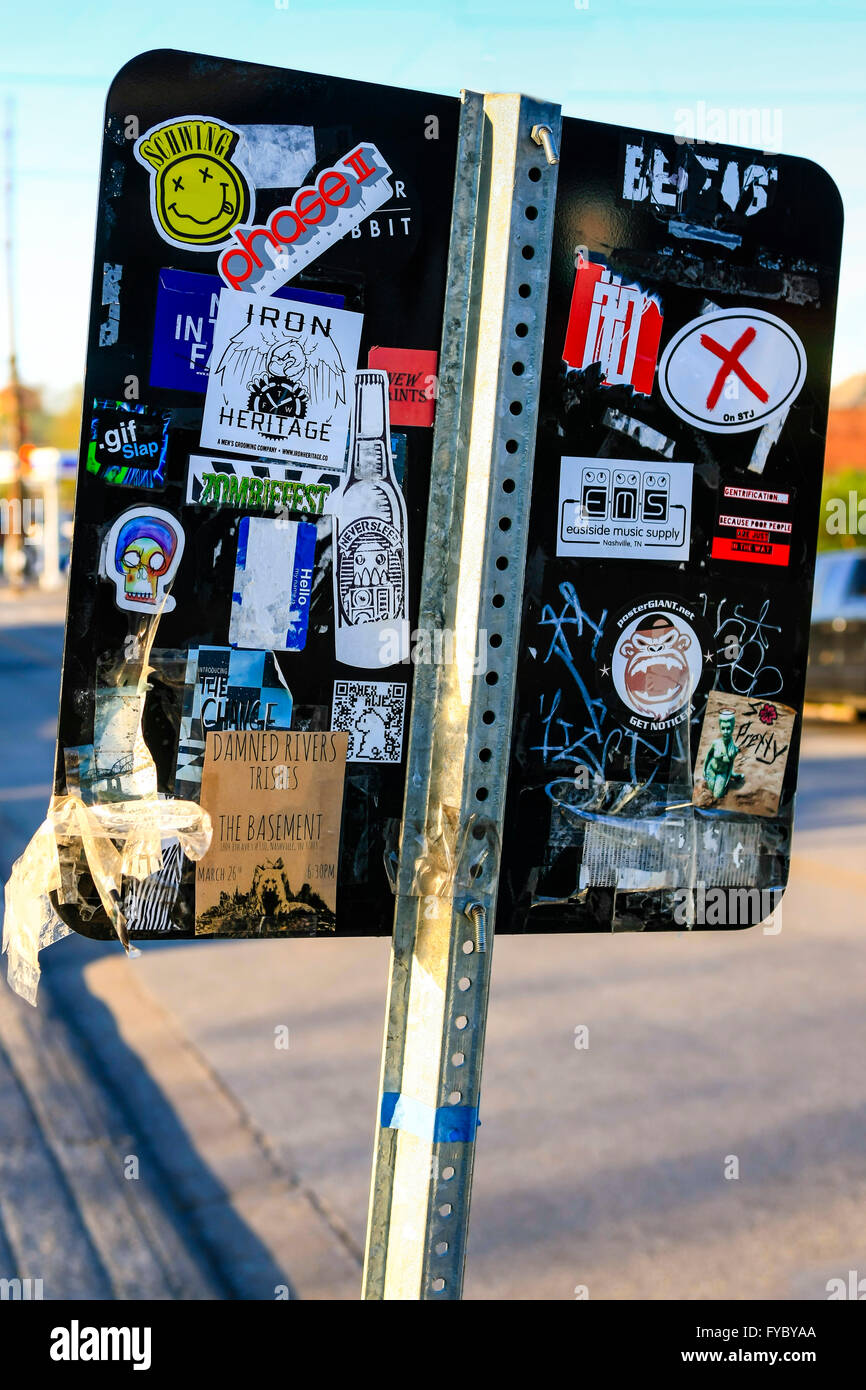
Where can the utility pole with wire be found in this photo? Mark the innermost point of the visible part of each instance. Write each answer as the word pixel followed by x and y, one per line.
pixel 14 560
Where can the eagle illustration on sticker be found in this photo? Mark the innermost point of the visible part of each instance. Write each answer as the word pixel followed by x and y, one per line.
pixel 198 190
pixel 140 556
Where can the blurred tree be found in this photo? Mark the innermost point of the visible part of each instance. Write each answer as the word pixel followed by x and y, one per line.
pixel 42 426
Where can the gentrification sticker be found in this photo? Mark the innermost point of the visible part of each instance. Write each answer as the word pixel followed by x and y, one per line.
pixel 617 509
pixel 275 799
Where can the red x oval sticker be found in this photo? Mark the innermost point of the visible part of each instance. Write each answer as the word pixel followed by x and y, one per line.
pixel 733 370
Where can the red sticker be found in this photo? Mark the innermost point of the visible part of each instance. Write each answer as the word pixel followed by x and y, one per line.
pixel 615 324
pixel 411 382
pixel 755 546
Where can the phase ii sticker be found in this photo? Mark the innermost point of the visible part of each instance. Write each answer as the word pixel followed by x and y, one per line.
pixel 198 192
pixel 733 370
pixel 615 509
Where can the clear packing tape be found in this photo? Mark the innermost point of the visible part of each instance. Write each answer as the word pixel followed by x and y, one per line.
pixel 119 840
pixel 442 856
pixel 113 828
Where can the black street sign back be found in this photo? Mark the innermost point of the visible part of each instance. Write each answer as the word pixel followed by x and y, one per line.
pixel 260 134
pixel 675 510
pixel 270 276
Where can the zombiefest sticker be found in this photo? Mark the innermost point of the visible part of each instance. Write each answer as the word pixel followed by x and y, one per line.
pixel 280 382
pixel 275 800
pixel 198 191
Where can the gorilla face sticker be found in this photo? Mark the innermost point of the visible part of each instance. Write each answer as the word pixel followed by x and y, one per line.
pixel 656 662
pixel 198 192
pixel 140 556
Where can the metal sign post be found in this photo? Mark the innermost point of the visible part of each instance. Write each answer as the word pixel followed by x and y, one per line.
pixel 460 734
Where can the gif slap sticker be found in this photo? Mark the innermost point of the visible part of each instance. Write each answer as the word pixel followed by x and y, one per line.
pixel 140 556
pixel 128 444
pixel 198 191
pixel 733 370
pixel 654 657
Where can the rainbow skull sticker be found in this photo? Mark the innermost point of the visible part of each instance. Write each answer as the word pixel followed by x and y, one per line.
pixel 198 192
pixel 140 556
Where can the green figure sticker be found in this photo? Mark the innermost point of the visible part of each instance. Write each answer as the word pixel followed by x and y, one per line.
pixel 719 773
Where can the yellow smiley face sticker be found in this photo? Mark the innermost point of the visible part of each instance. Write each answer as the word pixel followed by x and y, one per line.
pixel 198 193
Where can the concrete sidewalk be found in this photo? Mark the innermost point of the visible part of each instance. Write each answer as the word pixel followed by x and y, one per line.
pixel 127 1169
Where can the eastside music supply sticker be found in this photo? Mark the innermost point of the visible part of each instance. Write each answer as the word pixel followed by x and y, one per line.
pixel 280 382
pixel 198 191
pixel 732 370
pixel 617 509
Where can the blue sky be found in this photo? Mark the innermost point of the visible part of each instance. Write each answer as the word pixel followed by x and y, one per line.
pixel 623 61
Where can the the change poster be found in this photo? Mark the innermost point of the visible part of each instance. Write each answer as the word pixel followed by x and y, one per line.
pixel 275 799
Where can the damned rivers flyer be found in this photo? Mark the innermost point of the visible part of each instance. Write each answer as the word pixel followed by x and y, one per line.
pixel 275 798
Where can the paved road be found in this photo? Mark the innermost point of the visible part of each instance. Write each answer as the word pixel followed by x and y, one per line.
pixel 602 1167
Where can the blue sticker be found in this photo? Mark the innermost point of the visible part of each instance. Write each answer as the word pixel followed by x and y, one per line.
pixel 273 584
pixel 186 310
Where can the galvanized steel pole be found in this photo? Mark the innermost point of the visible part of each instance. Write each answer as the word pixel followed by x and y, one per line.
pixel 460 734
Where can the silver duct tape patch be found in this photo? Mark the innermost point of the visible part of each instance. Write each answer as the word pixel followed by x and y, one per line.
pixel 643 856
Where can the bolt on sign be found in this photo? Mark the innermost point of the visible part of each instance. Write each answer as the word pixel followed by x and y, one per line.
pixel 253 492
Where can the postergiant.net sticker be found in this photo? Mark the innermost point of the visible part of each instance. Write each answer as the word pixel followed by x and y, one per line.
pixel 732 370
pixel 624 510
pixel 281 380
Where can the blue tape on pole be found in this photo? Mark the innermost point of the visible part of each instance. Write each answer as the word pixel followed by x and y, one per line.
pixel 447 1124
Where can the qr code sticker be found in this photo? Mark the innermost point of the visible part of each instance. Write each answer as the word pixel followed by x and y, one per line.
pixel 372 714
